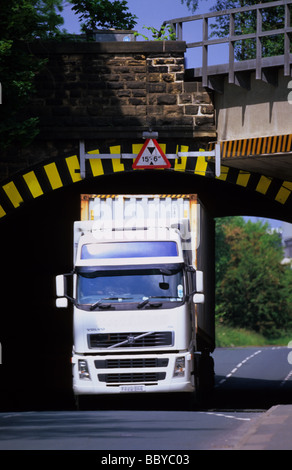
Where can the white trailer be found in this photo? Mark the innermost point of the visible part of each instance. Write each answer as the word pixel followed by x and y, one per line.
pixel 142 294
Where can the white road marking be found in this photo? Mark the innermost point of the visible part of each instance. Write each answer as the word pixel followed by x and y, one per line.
pixel 286 379
pixel 237 367
pixel 225 416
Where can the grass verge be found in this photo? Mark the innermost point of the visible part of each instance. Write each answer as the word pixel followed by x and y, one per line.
pixel 227 336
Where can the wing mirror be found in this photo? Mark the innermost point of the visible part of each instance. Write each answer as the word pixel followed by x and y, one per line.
pixel 61 300
pixel 198 296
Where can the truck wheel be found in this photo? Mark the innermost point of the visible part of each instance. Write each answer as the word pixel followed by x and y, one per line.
pixel 204 378
pixel 81 402
pixel 77 402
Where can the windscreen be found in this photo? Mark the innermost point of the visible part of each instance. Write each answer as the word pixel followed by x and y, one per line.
pixel 130 285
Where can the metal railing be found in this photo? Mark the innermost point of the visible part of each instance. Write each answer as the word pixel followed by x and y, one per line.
pixel 258 63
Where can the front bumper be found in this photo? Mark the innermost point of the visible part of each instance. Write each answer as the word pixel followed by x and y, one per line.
pixel 121 374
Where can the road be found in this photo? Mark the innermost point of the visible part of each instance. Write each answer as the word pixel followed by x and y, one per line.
pixel 252 377
pixel 248 382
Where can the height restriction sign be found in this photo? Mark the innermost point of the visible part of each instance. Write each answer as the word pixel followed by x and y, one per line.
pixel 151 156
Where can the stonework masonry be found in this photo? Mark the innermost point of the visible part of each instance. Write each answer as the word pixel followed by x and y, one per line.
pixel 108 93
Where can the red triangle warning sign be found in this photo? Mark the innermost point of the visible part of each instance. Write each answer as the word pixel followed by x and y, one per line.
pixel 151 156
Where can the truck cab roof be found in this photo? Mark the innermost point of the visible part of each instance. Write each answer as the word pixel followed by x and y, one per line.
pixel 129 247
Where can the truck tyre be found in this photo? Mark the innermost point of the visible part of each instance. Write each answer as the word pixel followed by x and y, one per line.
pixel 82 402
pixel 204 378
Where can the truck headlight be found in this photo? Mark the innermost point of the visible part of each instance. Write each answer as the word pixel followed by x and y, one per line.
pixel 179 367
pixel 83 370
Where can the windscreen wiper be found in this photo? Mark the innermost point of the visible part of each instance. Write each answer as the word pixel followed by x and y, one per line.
pixel 100 304
pixel 154 305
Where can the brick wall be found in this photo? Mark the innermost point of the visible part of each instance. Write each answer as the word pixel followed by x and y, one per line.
pixel 112 92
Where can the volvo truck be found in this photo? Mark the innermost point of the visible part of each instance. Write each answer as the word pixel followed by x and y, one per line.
pixel 142 289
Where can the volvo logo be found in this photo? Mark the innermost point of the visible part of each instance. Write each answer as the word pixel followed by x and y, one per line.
pixel 131 339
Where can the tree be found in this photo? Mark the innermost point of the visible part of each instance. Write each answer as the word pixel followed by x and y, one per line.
pixel 245 23
pixel 252 287
pixel 50 18
pixel 21 22
pixel 191 4
pixel 104 13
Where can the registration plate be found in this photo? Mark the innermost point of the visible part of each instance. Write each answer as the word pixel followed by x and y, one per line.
pixel 132 388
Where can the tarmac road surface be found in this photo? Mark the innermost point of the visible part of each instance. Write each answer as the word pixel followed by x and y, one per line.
pixel 250 409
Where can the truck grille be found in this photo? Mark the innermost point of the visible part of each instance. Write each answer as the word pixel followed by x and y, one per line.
pixel 130 363
pixel 131 340
pixel 132 378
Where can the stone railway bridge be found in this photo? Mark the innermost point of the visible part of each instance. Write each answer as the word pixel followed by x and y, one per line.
pixel 105 96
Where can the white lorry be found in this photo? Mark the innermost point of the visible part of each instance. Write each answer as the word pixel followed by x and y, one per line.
pixel 142 294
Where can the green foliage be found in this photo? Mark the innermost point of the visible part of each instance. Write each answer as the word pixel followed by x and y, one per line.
pixel 50 19
pixel 253 288
pixel 104 14
pixel 191 4
pixel 245 23
pixel 165 33
pixel 21 22
pixel 25 20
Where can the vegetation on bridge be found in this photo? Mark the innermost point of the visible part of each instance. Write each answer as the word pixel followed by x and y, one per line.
pixel 253 287
pixel 22 21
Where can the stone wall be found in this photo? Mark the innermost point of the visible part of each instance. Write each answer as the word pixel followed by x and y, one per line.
pixel 110 92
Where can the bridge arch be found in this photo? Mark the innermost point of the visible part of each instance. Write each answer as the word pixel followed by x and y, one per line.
pixel 238 191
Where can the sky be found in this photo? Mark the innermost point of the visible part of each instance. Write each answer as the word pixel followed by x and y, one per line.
pixel 149 13
pixel 153 13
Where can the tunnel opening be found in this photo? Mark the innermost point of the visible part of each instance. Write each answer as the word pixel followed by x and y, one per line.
pixel 36 338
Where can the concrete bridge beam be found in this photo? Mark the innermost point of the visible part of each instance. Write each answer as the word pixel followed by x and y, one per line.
pixel 257 125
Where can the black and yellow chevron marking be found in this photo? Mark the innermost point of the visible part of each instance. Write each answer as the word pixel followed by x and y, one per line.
pixel 43 179
pixel 256 146
pixel 273 188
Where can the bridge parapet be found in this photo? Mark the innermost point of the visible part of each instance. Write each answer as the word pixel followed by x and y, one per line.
pixel 238 71
pixel 104 88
